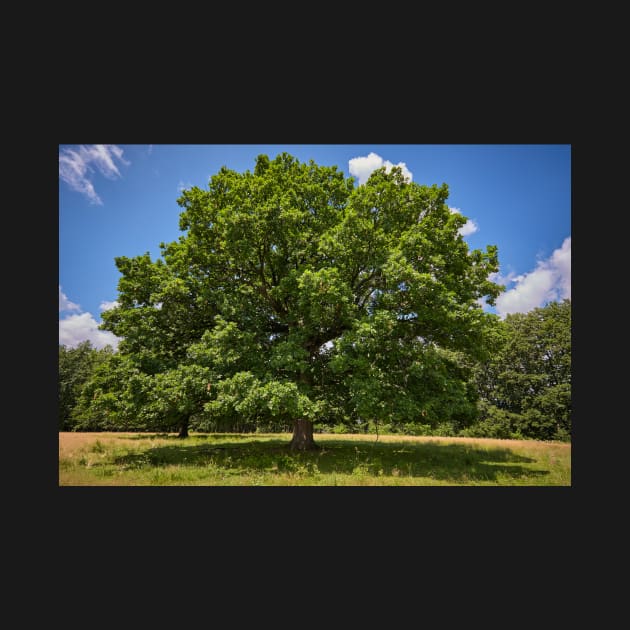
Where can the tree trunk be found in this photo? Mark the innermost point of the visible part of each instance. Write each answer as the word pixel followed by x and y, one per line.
pixel 303 436
pixel 183 431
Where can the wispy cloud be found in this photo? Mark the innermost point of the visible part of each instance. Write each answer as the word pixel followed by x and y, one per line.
pixel 183 186
pixel 79 327
pixel 470 227
pixel 497 278
pixel 550 281
pixel 78 165
pixel 362 167
pixel 150 149
pixel 65 304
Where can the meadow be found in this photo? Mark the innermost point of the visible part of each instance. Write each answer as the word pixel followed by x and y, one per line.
pixel 253 459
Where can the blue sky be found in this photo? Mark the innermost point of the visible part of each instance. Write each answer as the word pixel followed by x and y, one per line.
pixel 120 200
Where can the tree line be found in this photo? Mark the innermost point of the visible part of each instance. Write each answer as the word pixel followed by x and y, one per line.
pixel 296 300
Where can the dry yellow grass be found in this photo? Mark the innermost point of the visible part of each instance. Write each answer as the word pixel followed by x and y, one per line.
pixel 72 443
pixel 429 438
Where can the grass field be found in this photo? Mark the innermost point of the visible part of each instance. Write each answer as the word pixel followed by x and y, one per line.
pixel 220 459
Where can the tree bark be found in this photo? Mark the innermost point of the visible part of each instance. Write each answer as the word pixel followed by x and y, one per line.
pixel 303 436
pixel 183 430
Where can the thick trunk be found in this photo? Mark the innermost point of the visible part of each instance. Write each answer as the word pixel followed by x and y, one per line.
pixel 183 430
pixel 303 436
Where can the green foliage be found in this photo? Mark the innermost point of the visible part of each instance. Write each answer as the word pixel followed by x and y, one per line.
pixel 113 397
pixel 493 423
pixel 76 366
pixel 340 429
pixel 402 382
pixel 294 294
pixel 526 387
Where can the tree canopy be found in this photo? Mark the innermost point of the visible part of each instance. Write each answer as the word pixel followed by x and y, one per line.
pixel 294 295
pixel 525 387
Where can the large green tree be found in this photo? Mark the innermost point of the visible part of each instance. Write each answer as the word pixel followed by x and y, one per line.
pixel 293 295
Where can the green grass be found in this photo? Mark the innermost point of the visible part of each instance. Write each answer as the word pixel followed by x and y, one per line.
pixel 218 459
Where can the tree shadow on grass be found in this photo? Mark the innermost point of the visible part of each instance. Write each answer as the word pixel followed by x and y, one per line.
pixel 446 462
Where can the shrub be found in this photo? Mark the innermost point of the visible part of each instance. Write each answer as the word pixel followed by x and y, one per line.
pixel 339 428
pixel 493 423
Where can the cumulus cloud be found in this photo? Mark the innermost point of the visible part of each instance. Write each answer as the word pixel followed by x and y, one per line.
pixel 561 262
pixel 107 306
pixel 550 281
pixel 79 327
pixel 362 167
pixel 78 165
pixel 470 227
pixel 65 304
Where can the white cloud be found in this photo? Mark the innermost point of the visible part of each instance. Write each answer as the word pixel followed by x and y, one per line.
pixel 77 328
pixel 181 186
pixel 470 227
pixel 362 167
pixel 65 304
pixel 150 149
pixel 106 306
pixel 497 278
pixel 561 261
pixel 77 166
pixel 549 281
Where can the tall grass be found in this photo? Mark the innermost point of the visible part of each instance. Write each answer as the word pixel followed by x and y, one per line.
pixel 219 459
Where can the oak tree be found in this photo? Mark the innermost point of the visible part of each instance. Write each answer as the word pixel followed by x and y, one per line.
pixel 295 295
